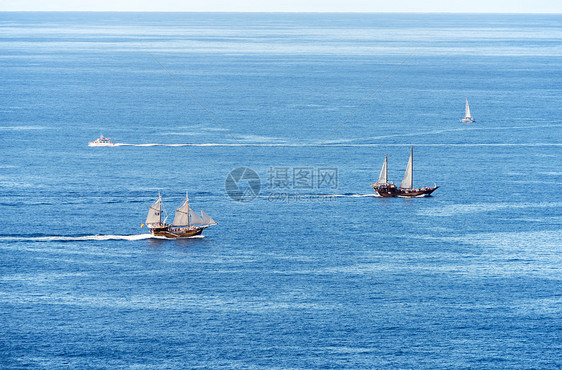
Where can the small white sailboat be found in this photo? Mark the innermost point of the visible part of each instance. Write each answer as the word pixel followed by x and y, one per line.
pixel 467 117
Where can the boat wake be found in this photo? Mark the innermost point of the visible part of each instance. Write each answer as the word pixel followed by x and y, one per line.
pixel 280 196
pixel 339 145
pixel 87 238
pixel 217 144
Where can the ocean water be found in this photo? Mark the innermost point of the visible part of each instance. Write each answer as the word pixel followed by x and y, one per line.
pixel 308 274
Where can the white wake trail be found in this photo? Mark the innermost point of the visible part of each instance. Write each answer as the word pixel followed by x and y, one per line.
pixel 89 237
pixel 342 145
pixel 215 144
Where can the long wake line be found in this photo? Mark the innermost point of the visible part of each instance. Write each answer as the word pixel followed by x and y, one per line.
pixel 342 145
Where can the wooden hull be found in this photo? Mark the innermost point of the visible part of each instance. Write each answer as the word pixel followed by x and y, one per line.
pixel 423 192
pixel 408 193
pixel 171 233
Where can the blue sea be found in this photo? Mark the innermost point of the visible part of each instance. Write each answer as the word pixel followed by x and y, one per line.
pixel 307 269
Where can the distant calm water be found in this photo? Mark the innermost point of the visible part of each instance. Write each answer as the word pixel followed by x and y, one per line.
pixel 471 277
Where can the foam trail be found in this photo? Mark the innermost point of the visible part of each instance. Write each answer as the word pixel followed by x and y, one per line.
pixel 347 195
pixel 88 237
pixel 312 196
pixel 345 145
pixel 217 144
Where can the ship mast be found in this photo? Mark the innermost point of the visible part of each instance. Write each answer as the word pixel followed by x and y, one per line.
pixel 188 213
pixel 182 219
pixel 383 177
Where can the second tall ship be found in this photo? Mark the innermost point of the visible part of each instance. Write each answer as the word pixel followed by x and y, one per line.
pixel 186 222
pixel 384 188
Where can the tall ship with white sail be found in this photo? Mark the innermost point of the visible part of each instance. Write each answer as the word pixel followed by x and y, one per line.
pixel 467 117
pixel 187 222
pixel 384 188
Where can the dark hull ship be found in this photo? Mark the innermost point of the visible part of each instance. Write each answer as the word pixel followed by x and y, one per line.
pixel 393 191
pixel 186 222
pixel 384 188
pixel 170 232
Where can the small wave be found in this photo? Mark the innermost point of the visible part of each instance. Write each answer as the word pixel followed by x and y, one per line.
pixel 261 139
pixel 462 209
pixel 22 128
pixel 88 237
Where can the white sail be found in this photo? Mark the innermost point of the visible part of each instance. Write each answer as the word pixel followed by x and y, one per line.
pixel 383 176
pixel 154 212
pixel 182 214
pixel 207 219
pixel 195 218
pixel 408 180
pixel 467 110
